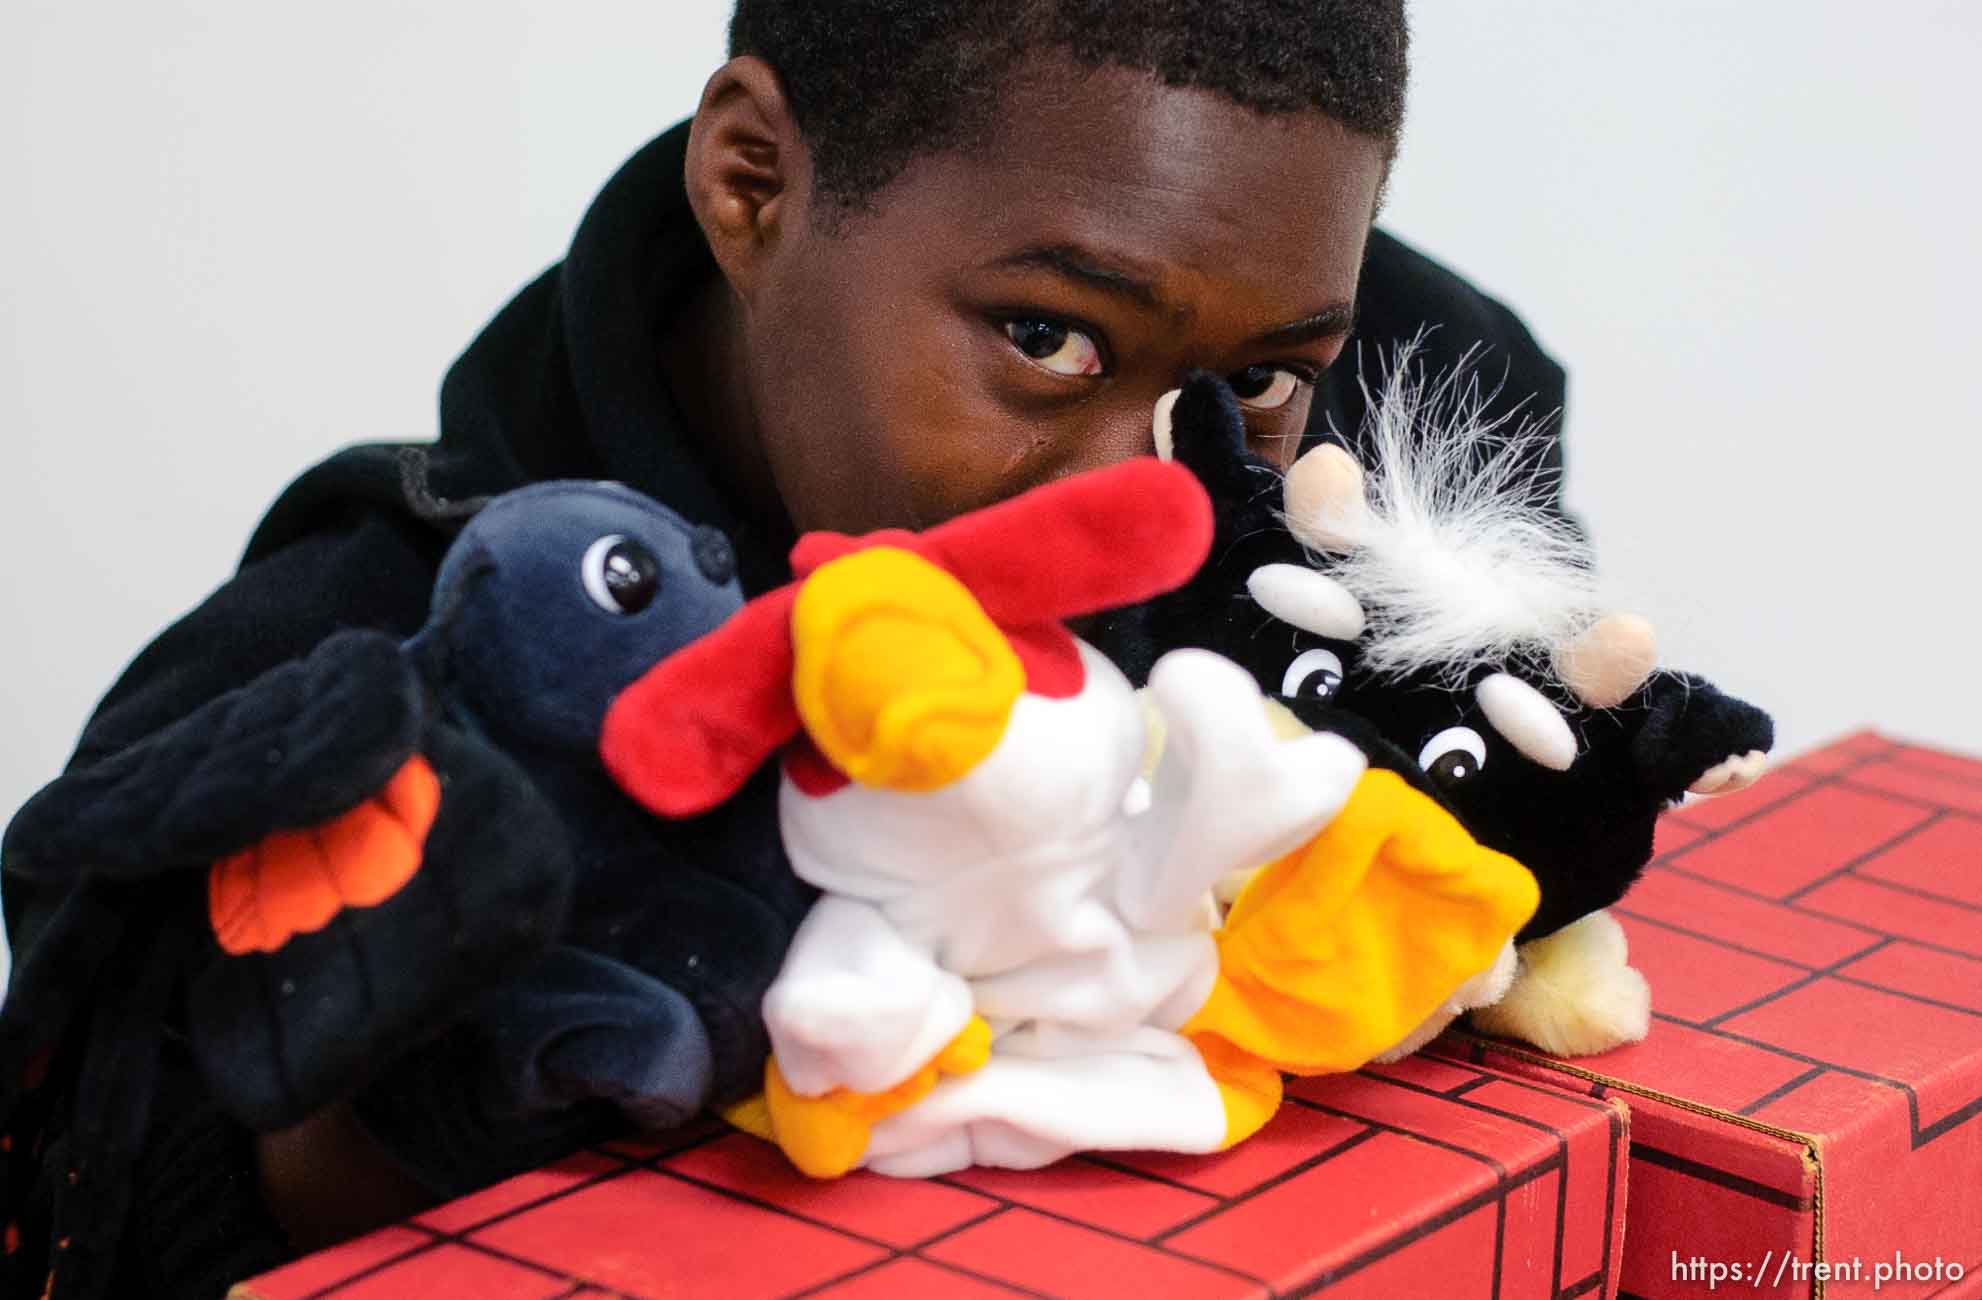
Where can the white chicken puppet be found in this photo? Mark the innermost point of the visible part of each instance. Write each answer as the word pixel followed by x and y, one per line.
pixel 1013 958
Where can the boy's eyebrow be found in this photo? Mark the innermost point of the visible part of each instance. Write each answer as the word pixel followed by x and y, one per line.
pixel 1337 318
pixel 1077 263
pixel 1092 269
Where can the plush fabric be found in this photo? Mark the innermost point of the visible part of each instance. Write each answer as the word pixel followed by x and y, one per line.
pixel 900 678
pixel 294 881
pixel 1581 821
pixel 1411 907
pixel 1560 752
pixel 1355 853
pixel 281 1033
pixel 509 681
pixel 685 734
pixel 1458 562
pixel 831 1132
pixel 1071 932
pixel 284 1030
pixel 1576 994
pixel 342 923
pixel 312 738
pixel 1080 935
pixel 562 383
pixel 517 632
pixel 1485 989
pixel 983 861
pixel 1585 832
pixel 582 1025
pixel 1119 1017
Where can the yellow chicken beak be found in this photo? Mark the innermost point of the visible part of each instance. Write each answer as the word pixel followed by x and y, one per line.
pixel 900 677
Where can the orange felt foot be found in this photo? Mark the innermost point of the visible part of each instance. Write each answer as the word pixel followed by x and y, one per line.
pixel 1249 1087
pixel 294 882
pixel 826 1136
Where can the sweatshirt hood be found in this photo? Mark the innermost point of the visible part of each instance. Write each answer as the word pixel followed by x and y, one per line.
pixel 564 382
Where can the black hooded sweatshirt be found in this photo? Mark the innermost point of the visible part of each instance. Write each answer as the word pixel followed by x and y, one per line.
pixel 563 383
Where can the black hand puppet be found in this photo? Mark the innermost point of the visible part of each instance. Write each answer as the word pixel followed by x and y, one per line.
pixel 399 872
pixel 1442 614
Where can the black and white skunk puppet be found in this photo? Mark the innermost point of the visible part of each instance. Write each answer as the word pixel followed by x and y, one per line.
pixel 1441 612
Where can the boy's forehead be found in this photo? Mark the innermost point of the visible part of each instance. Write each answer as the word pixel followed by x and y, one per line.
pixel 1165 188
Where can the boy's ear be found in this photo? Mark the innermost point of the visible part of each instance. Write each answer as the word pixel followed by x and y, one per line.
pixel 743 155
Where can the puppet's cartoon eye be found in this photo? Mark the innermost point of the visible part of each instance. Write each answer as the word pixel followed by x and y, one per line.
pixel 1314 675
pixel 621 575
pixel 1054 345
pixel 1265 388
pixel 1454 754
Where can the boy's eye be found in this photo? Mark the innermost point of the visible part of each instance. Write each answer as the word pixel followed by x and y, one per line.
pixel 1265 388
pixel 1053 346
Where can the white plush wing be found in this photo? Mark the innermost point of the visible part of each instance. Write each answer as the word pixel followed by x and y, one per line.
pixel 1227 793
pixel 856 1005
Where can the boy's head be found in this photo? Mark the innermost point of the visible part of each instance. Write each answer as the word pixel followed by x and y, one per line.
pixel 965 247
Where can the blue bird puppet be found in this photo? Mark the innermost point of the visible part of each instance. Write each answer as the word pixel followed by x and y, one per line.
pixel 399 870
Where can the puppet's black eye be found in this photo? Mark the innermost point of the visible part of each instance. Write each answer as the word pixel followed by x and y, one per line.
pixel 1454 754
pixel 1314 675
pixel 621 575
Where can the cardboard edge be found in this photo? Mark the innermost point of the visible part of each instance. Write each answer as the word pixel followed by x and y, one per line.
pixel 1478 1050
pixel 1620 1190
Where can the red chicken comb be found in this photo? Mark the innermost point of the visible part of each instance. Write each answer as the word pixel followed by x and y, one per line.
pixel 694 727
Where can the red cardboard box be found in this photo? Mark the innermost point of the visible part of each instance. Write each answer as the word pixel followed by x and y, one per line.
pixel 1811 1091
pixel 1429 1178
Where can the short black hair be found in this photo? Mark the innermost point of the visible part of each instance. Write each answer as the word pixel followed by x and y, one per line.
pixel 874 84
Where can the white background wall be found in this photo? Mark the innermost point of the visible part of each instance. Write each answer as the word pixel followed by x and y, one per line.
pixel 1751 233
pixel 240 235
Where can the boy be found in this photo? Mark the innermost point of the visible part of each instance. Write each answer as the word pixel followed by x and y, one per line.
pixel 905 260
